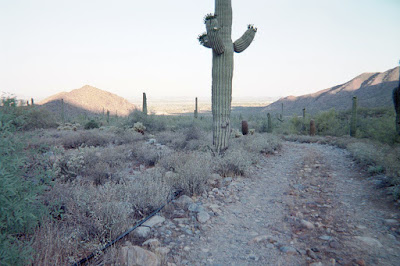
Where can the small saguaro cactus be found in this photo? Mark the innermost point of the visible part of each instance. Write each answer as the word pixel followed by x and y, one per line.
pixel 62 111
pixel 108 116
pixel 353 121
pixel 32 102
pixel 396 102
pixel 27 103
pixel 245 127
pixel 303 126
pixel 196 113
pixel 218 38
pixel 269 130
pixel 312 127
pixel 144 107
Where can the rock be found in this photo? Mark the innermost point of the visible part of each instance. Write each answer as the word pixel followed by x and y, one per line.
pixel 203 217
pixel 183 202
pixel 154 221
pixel 325 237
pixel 151 141
pixel 152 243
pixel 311 254
pixel 369 241
pixel 288 250
pixel 194 207
pixel 263 238
pixel 359 262
pixel 306 224
pixel 334 244
pixel 186 248
pixel 130 255
pixel 163 251
pixel 391 222
pixel 141 232
pixel 316 264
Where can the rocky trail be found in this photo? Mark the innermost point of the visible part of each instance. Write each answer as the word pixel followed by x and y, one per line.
pixel 309 204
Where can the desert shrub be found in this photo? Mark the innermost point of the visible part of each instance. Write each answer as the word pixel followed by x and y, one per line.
pixel 21 209
pixel 235 162
pixel 149 154
pixel 152 123
pixel 329 123
pixel 192 170
pixel 36 117
pixel 92 124
pixel 261 143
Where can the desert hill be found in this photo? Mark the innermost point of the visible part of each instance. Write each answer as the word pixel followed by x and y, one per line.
pixel 372 90
pixel 88 99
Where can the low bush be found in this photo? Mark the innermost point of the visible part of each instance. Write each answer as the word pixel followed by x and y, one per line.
pixel 92 124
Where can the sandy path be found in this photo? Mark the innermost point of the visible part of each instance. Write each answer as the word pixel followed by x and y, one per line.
pixel 309 204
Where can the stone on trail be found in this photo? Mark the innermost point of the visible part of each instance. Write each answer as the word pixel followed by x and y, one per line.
pixel 369 241
pixel 130 255
pixel 306 224
pixel 141 232
pixel 288 250
pixel 154 221
pixel 183 202
pixel 203 217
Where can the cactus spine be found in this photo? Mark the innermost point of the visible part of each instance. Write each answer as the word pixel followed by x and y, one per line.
pixel 269 129
pixel 353 121
pixel 312 128
pixel 144 107
pixel 218 38
pixel 196 113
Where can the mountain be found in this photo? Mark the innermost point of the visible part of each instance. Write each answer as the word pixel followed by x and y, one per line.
pixel 371 89
pixel 88 99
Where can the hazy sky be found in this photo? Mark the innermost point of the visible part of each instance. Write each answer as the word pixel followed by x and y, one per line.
pixel 127 47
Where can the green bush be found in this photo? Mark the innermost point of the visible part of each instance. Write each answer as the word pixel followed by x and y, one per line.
pixel 91 124
pixel 20 208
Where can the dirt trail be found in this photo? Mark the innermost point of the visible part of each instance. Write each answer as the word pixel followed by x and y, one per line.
pixel 309 204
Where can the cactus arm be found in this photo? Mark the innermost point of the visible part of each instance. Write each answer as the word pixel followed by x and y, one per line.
pixel 213 39
pixel 243 42
pixel 204 40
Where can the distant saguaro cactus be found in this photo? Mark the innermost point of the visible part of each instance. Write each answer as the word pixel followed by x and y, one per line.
pixel 144 107
pixel 32 102
pixel 27 103
pixel 108 116
pixel 269 129
pixel 245 127
pixel 62 111
pixel 312 128
pixel 218 38
pixel 196 113
pixel 396 102
pixel 303 126
pixel 353 121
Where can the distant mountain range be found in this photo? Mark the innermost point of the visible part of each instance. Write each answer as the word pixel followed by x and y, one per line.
pixel 88 99
pixel 371 89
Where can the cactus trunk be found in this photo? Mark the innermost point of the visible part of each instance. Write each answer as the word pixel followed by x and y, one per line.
pixel 396 102
pixel 303 126
pixel 353 122
pixel 144 107
pixel 62 111
pixel 195 110
pixel 312 128
pixel 108 116
pixel 269 130
pixel 218 37
pixel 245 128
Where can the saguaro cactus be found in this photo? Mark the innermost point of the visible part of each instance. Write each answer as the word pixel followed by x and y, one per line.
pixel 32 102
pixel 108 116
pixel 303 126
pixel 62 111
pixel 269 130
pixel 195 108
pixel 218 38
pixel 144 107
pixel 312 128
pixel 245 128
pixel 396 102
pixel 353 121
